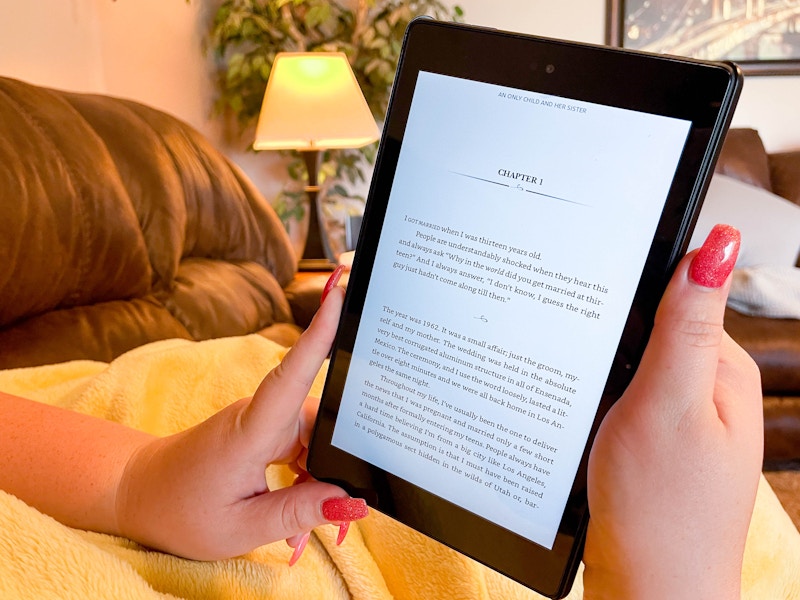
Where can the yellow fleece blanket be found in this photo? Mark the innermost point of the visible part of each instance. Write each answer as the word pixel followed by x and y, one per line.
pixel 168 386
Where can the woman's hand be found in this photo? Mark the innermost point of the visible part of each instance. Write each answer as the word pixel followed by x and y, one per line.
pixel 202 493
pixel 674 470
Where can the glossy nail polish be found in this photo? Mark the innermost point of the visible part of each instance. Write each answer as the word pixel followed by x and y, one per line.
pixel 339 510
pixel 716 258
pixel 333 280
pixel 298 550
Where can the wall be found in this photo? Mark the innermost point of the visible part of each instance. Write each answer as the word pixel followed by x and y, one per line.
pixel 769 104
pixel 147 50
pixel 52 42
pixel 151 51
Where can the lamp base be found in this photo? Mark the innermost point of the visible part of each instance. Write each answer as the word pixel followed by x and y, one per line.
pixel 316 251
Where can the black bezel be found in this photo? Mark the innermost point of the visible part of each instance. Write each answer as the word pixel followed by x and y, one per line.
pixel 701 92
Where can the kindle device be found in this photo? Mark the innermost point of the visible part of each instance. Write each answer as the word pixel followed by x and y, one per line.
pixel 530 199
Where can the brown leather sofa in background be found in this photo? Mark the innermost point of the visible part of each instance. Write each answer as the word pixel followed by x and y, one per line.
pixel 121 225
pixel 773 343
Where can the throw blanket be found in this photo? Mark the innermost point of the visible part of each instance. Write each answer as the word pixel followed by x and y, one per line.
pixel 766 291
pixel 168 386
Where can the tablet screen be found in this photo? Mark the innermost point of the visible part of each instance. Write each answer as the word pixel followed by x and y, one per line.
pixel 501 284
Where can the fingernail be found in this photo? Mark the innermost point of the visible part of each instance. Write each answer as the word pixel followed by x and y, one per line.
pixel 716 258
pixel 340 510
pixel 343 529
pixel 333 280
pixel 298 550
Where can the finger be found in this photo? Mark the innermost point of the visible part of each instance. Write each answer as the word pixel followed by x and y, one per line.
pixel 302 457
pixel 290 512
pixel 681 359
pixel 308 416
pixel 277 402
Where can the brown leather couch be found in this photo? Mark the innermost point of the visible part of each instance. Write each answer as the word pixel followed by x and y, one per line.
pixel 121 225
pixel 773 343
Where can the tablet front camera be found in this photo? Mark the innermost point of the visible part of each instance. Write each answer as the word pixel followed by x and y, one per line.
pixel 550 69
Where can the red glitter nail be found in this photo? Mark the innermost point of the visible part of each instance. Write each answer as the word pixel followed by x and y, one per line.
pixel 716 258
pixel 339 510
pixel 343 529
pixel 331 283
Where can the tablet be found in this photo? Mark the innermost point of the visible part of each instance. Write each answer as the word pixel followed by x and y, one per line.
pixel 529 202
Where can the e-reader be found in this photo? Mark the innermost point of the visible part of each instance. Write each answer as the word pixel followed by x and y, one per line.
pixel 529 202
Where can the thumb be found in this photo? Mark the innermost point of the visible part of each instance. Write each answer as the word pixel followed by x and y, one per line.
pixel 683 353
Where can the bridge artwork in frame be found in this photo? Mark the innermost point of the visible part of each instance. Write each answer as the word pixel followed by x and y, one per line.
pixel 763 36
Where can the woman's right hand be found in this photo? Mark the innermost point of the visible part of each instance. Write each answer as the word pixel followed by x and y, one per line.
pixel 675 466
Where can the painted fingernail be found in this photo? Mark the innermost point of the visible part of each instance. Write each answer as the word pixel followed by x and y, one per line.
pixel 298 550
pixel 340 510
pixel 343 529
pixel 333 280
pixel 716 258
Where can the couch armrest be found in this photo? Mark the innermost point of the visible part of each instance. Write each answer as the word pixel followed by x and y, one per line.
pixel 774 344
pixel 304 293
pixel 785 174
pixel 744 157
pixel 781 430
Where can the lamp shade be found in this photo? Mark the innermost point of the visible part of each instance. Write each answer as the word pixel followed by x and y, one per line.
pixel 313 102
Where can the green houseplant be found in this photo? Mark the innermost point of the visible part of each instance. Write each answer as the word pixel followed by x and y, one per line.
pixel 247 34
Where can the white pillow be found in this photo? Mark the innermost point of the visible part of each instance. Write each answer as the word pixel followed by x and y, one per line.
pixel 770 225
pixel 766 291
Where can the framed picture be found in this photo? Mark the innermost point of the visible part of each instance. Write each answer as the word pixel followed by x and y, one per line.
pixel 763 36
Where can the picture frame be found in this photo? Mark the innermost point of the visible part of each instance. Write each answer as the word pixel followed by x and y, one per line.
pixel 762 36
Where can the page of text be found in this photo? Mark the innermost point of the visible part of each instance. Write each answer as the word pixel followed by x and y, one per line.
pixel 515 236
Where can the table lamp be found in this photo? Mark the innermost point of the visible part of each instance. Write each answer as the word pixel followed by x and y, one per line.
pixel 313 103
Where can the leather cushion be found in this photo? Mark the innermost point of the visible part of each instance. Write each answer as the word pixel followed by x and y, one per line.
pixel 99 332
pixel 785 174
pixel 781 428
pixel 148 173
pixel 190 199
pixel 57 183
pixel 304 293
pixel 213 298
pixel 774 344
pixel 744 157
pixel 285 334
pixel 226 218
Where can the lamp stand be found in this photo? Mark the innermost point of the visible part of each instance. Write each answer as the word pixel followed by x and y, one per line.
pixel 317 251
